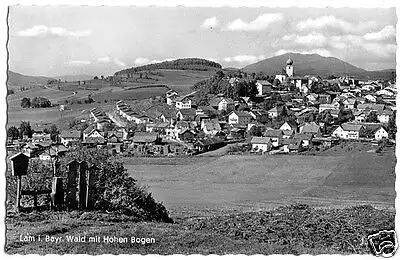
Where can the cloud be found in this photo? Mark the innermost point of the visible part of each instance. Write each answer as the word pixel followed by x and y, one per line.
pixel 333 22
pixel 78 62
pixel 141 61
pixel 42 30
pixel 358 44
pixel 210 23
pixel 244 58
pixel 105 59
pixel 312 39
pixel 259 24
pixel 386 33
pixel 119 62
pixel 322 52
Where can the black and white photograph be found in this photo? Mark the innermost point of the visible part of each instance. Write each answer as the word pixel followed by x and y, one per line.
pixel 200 130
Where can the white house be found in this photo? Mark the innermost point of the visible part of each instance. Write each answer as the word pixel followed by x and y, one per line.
pixel 381 133
pixel 370 98
pixel 171 96
pixel 288 126
pixel 348 131
pixel 384 116
pixel 183 102
pixel 281 78
pixel 239 117
pixel 226 104
pixel 263 87
pixel 263 144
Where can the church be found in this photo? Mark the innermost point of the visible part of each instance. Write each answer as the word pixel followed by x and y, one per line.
pixel 301 83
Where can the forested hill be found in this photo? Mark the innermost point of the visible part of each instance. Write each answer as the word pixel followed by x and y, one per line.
pixel 179 64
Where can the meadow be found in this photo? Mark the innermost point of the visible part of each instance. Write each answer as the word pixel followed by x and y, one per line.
pixel 104 94
pixel 203 185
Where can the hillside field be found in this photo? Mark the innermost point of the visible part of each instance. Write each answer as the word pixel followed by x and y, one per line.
pixel 102 92
pixel 203 185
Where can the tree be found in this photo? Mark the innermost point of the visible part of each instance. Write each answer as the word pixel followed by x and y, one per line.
pixel 53 131
pixel 392 128
pixel 95 77
pixel 366 132
pixel 13 132
pixel 40 102
pixel 114 189
pixel 25 129
pixel 276 82
pixel 25 102
pixel 372 117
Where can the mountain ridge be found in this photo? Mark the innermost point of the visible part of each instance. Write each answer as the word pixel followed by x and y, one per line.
pixel 314 64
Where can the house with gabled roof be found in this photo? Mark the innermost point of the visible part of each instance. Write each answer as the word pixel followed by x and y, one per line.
pixel 239 118
pixel 275 135
pixel 70 137
pixel 210 126
pixel 380 133
pixel 263 144
pixel 263 87
pixel 289 125
pixel 384 115
pixel 188 114
pixel 348 131
pixel 311 127
pixel 184 102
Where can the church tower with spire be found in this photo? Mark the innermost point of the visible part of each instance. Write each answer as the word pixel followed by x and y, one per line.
pixel 289 68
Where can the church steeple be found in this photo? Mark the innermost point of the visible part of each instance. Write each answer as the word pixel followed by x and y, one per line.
pixel 289 68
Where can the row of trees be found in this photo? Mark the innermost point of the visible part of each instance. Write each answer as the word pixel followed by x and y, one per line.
pixel 219 84
pixel 25 129
pixel 36 102
pixel 179 64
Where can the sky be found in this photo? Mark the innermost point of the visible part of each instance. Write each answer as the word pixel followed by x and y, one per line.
pixel 73 40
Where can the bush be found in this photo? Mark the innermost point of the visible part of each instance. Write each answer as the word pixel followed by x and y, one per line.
pixel 40 102
pixel 25 102
pixel 114 189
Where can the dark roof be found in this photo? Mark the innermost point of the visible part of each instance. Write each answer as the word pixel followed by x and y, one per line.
pixel 260 140
pixel 94 140
pixel 310 128
pixel 241 113
pixel 144 137
pixel 351 127
pixel 273 133
pixel 188 112
pixel 70 134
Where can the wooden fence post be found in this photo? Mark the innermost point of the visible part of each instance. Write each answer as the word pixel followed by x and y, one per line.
pixel 82 185
pixel 57 193
pixel 71 198
pixel 18 202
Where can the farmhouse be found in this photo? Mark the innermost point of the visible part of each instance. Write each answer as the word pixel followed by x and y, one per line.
pixel 263 87
pixel 183 102
pixel 275 135
pixel 187 114
pixel 210 126
pixel 221 103
pixel 381 133
pixel 70 137
pixel 312 128
pixel 239 118
pixel 348 131
pixel 289 126
pixel 384 116
pixel 263 144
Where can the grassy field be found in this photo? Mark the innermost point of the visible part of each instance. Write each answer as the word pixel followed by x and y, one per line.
pixel 201 185
pixel 297 229
pixel 234 205
pixel 101 92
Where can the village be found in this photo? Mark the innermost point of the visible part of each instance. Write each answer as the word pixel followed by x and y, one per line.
pixel 306 116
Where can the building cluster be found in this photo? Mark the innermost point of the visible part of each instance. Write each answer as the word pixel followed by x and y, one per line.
pixel 356 110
